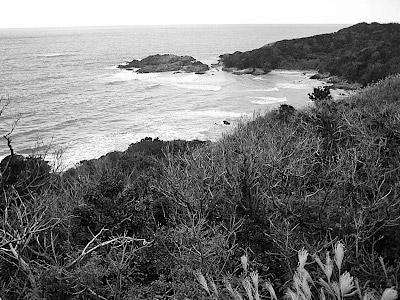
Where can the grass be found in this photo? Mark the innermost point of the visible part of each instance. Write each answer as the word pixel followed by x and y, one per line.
pixel 336 285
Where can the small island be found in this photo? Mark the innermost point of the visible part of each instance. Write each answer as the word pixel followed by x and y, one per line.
pixel 166 63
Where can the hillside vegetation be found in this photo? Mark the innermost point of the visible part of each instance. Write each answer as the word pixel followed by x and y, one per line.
pixel 136 224
pixel 361 53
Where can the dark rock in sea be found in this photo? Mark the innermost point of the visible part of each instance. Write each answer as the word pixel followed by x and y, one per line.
pixel 244 71
pixel 336 81
pixel 226 122
pixel 320 76
pixel 236 71
pixel 166 63
pixel 258 71
pixel 225 69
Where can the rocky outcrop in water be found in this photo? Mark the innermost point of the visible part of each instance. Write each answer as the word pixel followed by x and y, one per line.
pixel 166 63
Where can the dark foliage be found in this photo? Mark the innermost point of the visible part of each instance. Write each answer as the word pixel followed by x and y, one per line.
pixel 320 94
pixel 135 224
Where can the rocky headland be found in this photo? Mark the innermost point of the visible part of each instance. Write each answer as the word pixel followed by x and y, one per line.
pixel 166 63
pixel 362 53
pixel 336 82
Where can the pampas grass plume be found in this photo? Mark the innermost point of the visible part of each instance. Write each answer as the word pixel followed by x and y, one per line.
pixel 271 290
pixel 201 279
pixel 339 254
pixel 389 294
pixel 346 283
pixel 245 262
pixel 303 255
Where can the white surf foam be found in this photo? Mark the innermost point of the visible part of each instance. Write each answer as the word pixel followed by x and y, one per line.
pixel 287 72
pixel 111 68
pixel 173 78
pixel 268 100
pixel 55 54
pixel 129 75
pixel 204 87
pixel 295 86
pixel 214 114
pixel 274 89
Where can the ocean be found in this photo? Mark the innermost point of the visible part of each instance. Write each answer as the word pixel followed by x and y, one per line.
pixel 67 93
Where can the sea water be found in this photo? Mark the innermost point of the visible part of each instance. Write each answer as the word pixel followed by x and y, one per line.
pixel 67 93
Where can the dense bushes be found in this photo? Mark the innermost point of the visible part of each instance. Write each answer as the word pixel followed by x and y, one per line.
pixel 135 224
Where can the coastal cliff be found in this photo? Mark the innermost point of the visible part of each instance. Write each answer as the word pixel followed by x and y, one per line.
pixel 362 53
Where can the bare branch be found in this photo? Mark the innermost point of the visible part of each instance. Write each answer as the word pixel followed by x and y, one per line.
pixel 116 240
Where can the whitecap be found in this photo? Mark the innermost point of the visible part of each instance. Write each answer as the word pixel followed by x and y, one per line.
pixel 124 75
pixel 215 114
pixel 112 68
pixel 173 78
pixel 274 89
pixel 205 87
pixel 55 54
pixel 295 86
pixel 268 100
pixel 287 72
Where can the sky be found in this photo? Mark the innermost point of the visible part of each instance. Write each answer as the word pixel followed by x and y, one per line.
pixel 63 13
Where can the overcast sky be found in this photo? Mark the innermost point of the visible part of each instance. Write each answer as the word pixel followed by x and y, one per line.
pixel 55 13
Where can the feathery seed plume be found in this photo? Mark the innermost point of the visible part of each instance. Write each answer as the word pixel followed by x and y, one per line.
pixel 336 289
pixel 328 287
pixel 389 294
pixel 245 262
pixel 200 278
pixel 234 293
pixel 339 254
pixel 319 262
pixel 306 288
pixel 369 296
pixel 302 254
pixel 292 295
pixel 346 283
pixel 254 278
pixel 271 290
pixel 328 267
pixel 248 288
pixel 213 287
pixel 323 297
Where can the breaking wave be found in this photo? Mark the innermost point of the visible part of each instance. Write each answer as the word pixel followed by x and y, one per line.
pixel 274 89
pixel 205 87
pixel 56 54
pixel 268 100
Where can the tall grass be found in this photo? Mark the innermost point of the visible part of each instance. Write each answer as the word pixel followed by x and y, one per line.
pixel 335 284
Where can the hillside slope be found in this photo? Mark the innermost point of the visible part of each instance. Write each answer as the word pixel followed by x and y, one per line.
pixel 136 224
pixel 361 53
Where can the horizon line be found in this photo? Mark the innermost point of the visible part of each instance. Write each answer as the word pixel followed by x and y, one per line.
pixel 199 24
